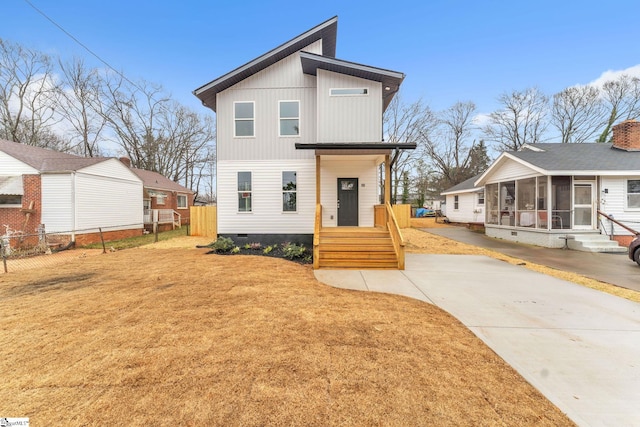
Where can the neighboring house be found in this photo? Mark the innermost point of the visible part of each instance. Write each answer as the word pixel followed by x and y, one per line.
pixel 166 202
pixel 299 144
pixel 67 194
pixel 465 202
pixel 549 194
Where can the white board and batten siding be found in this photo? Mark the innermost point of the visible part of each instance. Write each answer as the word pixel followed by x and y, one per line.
pixel 267 216
pixel 282 81
pixel 348 118
pixel 365 171
pixel 614 203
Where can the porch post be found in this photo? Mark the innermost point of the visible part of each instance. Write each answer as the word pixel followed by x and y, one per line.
pixel 317 179
pixel 387 178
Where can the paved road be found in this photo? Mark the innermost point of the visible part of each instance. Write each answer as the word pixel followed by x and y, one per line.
pixel 578 346
pixel 616 269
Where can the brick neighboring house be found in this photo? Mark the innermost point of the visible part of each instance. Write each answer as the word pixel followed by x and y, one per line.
pixel 165 202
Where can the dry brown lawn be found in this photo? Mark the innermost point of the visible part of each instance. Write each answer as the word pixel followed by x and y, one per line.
pixel 172 336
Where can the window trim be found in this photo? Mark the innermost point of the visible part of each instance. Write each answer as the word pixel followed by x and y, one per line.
pixel 235 119
pixel 186 200
pixel 290 191
pixel 626 193
pixel 456 202
pixel 280 118
pixel 334 91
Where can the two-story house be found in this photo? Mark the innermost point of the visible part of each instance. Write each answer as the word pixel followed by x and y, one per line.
pixel 299 147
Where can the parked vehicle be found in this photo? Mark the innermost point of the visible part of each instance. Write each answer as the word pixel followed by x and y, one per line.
pixel 634 249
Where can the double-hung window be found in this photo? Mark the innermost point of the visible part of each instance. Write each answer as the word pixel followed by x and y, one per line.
pixel 289 118
pixel 244 118
pixel 244 191
pixel 633 193
pixel 182 201
pixel 289 192
pixel 455 203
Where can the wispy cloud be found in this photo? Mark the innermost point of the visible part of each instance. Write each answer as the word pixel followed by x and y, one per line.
pixel 614 74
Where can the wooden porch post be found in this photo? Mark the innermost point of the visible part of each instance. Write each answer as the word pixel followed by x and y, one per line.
pixel 387 178
pixel 317 179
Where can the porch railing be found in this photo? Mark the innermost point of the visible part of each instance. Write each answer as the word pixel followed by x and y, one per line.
pixel 162 216
pixel 316 236
pixel 396 236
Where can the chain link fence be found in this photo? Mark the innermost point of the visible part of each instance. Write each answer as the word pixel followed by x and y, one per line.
pixel 23 251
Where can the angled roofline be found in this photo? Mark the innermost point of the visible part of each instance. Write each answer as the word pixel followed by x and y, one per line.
pixel 327 31
pixel 481 181
pixel 390 79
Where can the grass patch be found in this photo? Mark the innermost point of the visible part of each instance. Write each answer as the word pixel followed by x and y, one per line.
pixel 134 242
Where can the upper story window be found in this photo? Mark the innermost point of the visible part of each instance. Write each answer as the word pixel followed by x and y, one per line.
pixel 633 193
pixel 289 118
pixel 349 91
pixel 244 118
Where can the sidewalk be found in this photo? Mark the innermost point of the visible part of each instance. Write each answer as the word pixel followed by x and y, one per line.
pixel 578 346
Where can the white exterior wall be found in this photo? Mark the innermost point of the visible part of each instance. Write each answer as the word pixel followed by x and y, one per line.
pixel 266 216
pixel 511 170
pixel 348 118
pixel 10 166
pixel 283 81
pixel 468 208
pixel 365 171
pixel 106 195
pixel 614 203
pixel 57 202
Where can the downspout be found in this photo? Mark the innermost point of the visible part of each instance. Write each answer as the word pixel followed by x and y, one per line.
pixel 74 207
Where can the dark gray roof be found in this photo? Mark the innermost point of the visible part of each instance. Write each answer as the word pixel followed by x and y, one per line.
pixel 579 157
pixel 45 160
pixel 390 80
pixel 464 186
pixel 327 31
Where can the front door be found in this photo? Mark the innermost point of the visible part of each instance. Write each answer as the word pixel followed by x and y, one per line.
pixel 583 206
pixel 348 202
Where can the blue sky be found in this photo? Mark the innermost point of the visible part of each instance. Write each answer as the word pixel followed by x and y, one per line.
pixel 449 50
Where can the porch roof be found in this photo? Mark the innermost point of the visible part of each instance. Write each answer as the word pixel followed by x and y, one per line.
pixel 355 147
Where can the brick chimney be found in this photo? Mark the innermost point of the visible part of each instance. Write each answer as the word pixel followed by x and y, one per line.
pixel 626 135
pixel 126 161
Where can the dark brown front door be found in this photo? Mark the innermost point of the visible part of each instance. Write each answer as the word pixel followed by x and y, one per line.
pixel 347 201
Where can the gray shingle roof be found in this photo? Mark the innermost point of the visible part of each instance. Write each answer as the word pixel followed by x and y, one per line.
pixel 157 181
pixel 464 186
pixel 45 160
pixel 579 157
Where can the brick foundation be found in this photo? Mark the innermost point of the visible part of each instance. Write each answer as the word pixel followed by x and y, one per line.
pixel 623 240
pixel 88 238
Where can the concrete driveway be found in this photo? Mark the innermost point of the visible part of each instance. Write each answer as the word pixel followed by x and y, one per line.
pixel 578 346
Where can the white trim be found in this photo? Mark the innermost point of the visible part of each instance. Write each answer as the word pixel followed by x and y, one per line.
pixel 289 118
pixel 186 198
pixel 626 195
pixel 241 119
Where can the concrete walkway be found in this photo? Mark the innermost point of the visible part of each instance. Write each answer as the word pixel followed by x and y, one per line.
pixel 578 346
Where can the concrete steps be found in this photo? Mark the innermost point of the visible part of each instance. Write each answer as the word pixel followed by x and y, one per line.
pixel 593 243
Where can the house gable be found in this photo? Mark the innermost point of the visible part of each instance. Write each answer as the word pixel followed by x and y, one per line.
pixel 10 166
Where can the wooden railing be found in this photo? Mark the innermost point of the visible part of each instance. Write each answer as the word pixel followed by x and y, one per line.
pixel 396 236
pixel 162 216
pixel 316 236
pixel 380 216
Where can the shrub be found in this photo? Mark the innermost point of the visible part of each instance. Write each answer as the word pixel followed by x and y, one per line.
pixel 293 251
pixel 235 250
pixel 268 249
pixel 223 244
pixel 255 246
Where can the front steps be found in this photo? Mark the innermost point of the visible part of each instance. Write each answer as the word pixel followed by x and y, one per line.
pixel 356 248
pixel 593 243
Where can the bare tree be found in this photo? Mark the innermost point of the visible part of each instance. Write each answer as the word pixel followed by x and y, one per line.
pixel 79 104
pixel 521 120
pixel 622 100
pixel 26 91
pixel 577 112
pixel 406 123
pixel 450 147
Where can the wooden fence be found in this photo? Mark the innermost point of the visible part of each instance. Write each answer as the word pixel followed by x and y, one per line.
pixel 403 215
pixel 204 221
